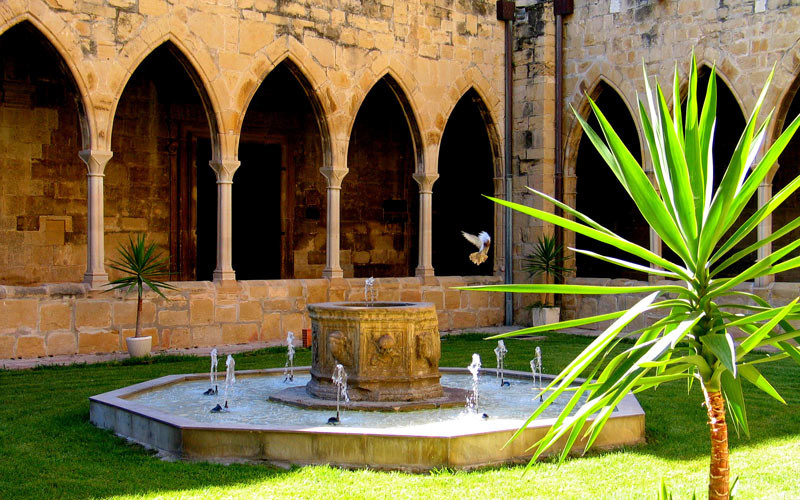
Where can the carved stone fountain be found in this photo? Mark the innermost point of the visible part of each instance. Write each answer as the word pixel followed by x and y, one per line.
pixel 390 351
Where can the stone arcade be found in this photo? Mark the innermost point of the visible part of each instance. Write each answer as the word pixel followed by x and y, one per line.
pixel 278 151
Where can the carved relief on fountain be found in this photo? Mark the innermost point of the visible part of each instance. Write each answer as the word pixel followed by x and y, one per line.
pixel 390 350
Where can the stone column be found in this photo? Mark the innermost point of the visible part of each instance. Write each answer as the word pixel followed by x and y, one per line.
pixel 96 161
pixel 224 169
pixel 334 176
pixel 425 181
pixel 764 230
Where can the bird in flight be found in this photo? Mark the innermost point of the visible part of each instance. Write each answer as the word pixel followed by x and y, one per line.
pixel 482 241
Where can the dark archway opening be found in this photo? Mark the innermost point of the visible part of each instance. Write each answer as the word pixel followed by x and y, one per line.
pixel 789 168
pixel 730 125
pixel 380 214
pixel 42 180
pixel 466 172
pixel 150 184
pixel 278 191
pixel 600 196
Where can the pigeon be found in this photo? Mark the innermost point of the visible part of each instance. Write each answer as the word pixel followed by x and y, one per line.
pixel 482 241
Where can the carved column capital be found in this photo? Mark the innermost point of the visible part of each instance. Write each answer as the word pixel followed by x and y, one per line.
pixel 425 181
pixel 95 160
pixel 224 169
pixel 334 175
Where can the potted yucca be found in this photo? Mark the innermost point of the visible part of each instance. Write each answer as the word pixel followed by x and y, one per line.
pixel 546 261
pixel 140 265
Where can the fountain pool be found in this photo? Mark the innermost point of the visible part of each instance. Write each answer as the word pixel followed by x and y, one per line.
pixel 171 414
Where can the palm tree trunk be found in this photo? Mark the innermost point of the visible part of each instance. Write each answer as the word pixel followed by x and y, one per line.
pixel 719 471
pixel 139 314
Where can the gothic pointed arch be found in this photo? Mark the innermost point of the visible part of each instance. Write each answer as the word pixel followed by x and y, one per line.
pixel 283 145
pixel 164 136
pixel 309 75
pixel 197 76
pixel 401 93
pixel 598 193
pixel 467 168
pixel 72 77
pixel 42 179
pixel 380 207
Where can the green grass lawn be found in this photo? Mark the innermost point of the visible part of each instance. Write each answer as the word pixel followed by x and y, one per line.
pixel 48 448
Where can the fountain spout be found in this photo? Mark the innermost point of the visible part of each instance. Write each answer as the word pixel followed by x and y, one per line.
pixel 369 291
pixel 288 369
pixel 340 381
pixel 230 376
pixel 500 352
pixel 472 398
pixel 214 389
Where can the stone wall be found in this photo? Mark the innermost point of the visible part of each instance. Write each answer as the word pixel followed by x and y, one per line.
pixel 69 318
pixel 606 43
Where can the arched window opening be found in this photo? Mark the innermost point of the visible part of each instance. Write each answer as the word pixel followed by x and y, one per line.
pixel 278 191
pixel 380 208
pixel 42 180
pixel 600 196
pixel 161 151
pixel 466 172
pixel 789 168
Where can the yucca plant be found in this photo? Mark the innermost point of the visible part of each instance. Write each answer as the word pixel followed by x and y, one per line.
pixel 693 340
pixel 547 260
pixel 141 265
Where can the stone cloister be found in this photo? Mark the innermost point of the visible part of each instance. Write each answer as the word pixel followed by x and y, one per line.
pixel 294 143
pixel 281 152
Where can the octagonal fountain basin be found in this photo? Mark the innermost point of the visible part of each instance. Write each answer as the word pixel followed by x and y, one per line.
pixel 171 414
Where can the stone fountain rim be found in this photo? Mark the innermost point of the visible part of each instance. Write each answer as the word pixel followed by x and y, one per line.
pixel 360 305
pixel 118 398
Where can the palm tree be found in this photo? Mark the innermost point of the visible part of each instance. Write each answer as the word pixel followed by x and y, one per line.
pixel 141 266
pixel 693 340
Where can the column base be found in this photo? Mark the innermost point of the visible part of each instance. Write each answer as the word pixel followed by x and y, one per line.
pixel 224 276
pixel 424 272
pixel 764 281
pixel 96 281
pixel 332 273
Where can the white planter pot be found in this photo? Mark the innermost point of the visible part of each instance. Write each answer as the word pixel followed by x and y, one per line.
pixel 545 315
pixel 139 346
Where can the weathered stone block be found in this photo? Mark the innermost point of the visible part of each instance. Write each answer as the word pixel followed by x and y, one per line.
pixel 239 333
pixel 61 343
pixel 56 316
pixel 206 336
pixel 125 313
pixel 18 313
pixel 250 311
pixel 171 318
pixel 225 314
pixel 30 347
pixel 7 343
pixel 271 327
pixel 99 342
pixel 201 311
pixel 92 314
pixel 292 322
pixel 175 338
pixel 464 319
